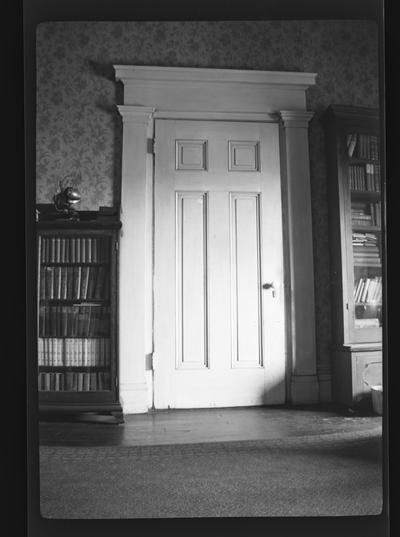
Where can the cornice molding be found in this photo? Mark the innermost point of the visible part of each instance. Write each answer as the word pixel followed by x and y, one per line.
pixel 258 117
pixel 153 74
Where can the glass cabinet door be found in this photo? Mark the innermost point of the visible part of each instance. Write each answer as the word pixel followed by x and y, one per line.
pixel 74 324
pixel 364 179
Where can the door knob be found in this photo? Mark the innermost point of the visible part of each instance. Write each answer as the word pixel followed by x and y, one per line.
pixel 270 286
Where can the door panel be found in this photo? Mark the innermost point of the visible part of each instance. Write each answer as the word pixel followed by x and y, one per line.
pixel 218 336
pixel 191 283
pixel 245 280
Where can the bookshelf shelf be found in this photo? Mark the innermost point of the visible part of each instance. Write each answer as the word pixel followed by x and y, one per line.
pixel 355 218
pixel 359 160
pixel 366 194
pixel 365 228
pixel 366 305
pixel 77 317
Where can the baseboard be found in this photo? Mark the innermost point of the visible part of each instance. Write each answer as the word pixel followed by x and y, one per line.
pixel 325 388
pixel 304 389
pixel 133 397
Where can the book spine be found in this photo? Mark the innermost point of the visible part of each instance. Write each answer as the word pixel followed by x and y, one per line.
pixel 67 249
pixel 52 250
pixel 42 292
pixel 80 381
pixel 89 241
pixel 86 382
pixel 73 250
pixel 40 351
pixel 83 249
pixel 62 250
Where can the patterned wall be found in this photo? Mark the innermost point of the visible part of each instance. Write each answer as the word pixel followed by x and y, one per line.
pixel 77 126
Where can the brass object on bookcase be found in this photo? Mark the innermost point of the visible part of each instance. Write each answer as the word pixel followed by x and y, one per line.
pixel 66 199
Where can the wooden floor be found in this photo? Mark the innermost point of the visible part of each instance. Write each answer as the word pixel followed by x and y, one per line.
pixel 202 425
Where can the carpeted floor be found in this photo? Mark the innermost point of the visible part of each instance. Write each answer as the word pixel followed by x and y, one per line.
pixel 321 475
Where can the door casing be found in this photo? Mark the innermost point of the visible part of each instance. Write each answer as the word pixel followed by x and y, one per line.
pixel 215 94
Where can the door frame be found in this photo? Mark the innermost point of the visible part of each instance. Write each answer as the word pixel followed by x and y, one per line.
pixel 215 94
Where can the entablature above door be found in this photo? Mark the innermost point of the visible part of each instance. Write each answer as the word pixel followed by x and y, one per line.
pixel 214 91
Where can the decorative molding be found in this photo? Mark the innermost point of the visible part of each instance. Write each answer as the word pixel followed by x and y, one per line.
pixel 177 75
pixel 213 91
pixel 257 117
pixel 296 118
pixel 191 155
pixel 141 114
pixel 235 152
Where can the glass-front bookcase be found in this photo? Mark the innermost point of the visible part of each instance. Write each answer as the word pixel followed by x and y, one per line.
pixel 77 317
pixel 364 179
pixel 354 170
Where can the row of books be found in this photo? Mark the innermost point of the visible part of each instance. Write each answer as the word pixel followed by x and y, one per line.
pixel 74 352
pixel 363 260
pixel 368 290
pixel 365 177
pixel 74 321
pixel 366 214
pixel 74 249
pixel 79 381
pixel 363 146
pixel 74 282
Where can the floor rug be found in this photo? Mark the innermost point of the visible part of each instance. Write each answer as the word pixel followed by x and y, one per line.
pixel 323 475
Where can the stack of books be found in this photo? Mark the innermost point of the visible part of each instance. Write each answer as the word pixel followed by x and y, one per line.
pixel 366 250
pixel 366 214
pixel 359 214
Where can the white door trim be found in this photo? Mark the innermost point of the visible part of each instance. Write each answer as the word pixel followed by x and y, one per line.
pixel 218 94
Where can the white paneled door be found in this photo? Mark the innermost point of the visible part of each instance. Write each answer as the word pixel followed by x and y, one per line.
pixel 219 334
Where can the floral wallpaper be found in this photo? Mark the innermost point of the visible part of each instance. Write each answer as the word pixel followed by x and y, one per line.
pixel 78 131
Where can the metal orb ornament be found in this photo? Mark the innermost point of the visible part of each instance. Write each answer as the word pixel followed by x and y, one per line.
pixel 65 201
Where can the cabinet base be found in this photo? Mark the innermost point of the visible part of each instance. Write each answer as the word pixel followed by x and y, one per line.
pixel 355 369
pixel 106 413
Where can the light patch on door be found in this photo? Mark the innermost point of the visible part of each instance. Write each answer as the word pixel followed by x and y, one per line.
pixel 191 155
pixel 243 156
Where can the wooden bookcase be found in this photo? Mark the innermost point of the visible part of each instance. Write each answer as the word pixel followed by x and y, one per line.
pixel 77 316
pixel 355 222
